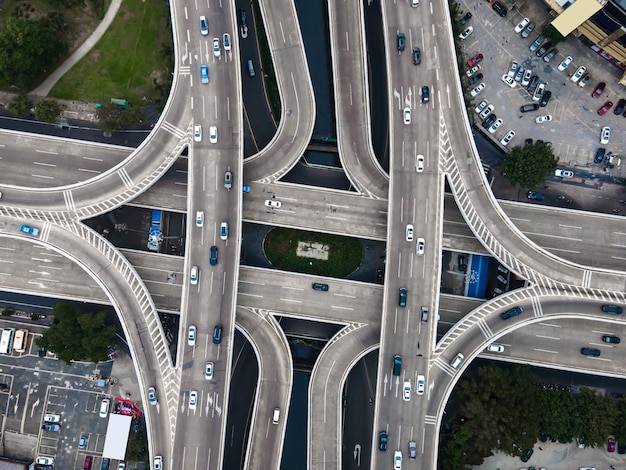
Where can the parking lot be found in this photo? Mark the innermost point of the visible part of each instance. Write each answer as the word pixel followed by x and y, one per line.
pixel 575 128
pixel 31 386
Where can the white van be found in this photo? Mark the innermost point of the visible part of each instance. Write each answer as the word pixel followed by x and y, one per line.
pixel 456 362
pixel 276 416
pixel 104 408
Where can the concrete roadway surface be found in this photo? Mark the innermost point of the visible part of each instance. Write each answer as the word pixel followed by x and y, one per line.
pixel 36 161
pixel 351 92
pixel 417 199
pixel 138 317
pixel 296 92
pixel 199 436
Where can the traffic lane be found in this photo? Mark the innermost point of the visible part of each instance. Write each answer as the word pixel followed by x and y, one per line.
pixel 569 234
pixel 274 388
pixel 306 207
pixel 279 291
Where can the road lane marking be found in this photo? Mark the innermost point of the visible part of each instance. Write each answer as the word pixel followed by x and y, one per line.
pixel 561 249
pixel 336 218
pixel 252 282
pixel 341 308
pixel 290 300
pixel 45 164
pixel 518 219
pixel 346 295
pixel 548 337
pixel 545 350
pixel 570 226
pixel 550 324
pixel 293 288
pixel 555 236
pixel 250 295
pixel 47 151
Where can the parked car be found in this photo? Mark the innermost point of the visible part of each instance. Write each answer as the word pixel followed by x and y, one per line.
pixel 466 17
pixel 476 78
pixel 521 25
pixel 560 172
pixel 536 43
pixel 529 29
pixel 494 127
pixel 550 55
pixel 529 107
pixel 510 81
pixel 598 90
pixel 565 63
pixel 467 33
pixel 489 120
pixel 507 138
pixel 532 84
pixel 543 49
pixel 605 107
pixel 545 98
pixel 486 112
pixel 499 9
pixel 578 74
pixel 519 74
pixel 534 195
pixel 583 81
pixel 474 60
pixel 512 69
pixel 476 91
pixel 619 107
pixel 599 155
pixel 611 445
pixel 525 457
pixel 605 135
pixel 542 119
pixel 51 427
pixel 472 70
pixel 526 78
pixel 539 92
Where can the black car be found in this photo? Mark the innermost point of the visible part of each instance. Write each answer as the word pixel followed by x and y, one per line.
pixel 511 313
pixel 475 78
pixel 548 57
pixel 532 85
pixel 401 41
pixel 242 17
pixel 403 294
pixel 528 142
pixel 590 352
pixel 611 339
pixel 217 334
pixel 621 448
pixel 417 56
pixel 382 440
pixel 545 98
pixel 527 455
pixel 599 155
pixel 466 18
pixel 619 108
pixel 425 94
pixel 499 9
pixel 528 107
pixel 319 286
pixel 543 49
pixel 41 352
pixel 489 120
pixel 462 263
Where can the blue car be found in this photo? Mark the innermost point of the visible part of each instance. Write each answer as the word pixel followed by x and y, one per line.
pixel 204 73
pixel 29 230
pixel 535 196
pixel 217 334
pixel 246 189
pixel 213 259
pixel 511 313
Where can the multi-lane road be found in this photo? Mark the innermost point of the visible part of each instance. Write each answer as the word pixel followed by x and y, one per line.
pixel 573 267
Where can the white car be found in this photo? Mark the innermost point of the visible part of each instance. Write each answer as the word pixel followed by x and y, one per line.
pixel 407 115
pixel 193 400
pixel 158 463
pixel 563 173
pixel 208 371
pixel 419 164
pixel 508 138
pixel 406 390
pixel 213 134
pixel 605 135
pixel 44 461
pixel 204 26
pixel 522 24
pixel 526 78
pixel 273 203
pixel 495 348
pixel 486 112
pixel 494 127
pixel 465 34
pixel 414 3
pixel 397 460
pixel 51 418
pixel 193 276
pixel 482 105
pixel 510 81
pixel 191 335
pixel 197 133
pixel 409 233
pixel 226 41
pixel 473 70
pixel 421 244
pixel 476 91
pixel 224 231
pixel 216 47
pixel 539 92
pixel 199 218
pixel 121 466
pixel 579 73
pixel 421 384
pixel 512 69
pixel 152 396
pixel 542 119
pixel 563 65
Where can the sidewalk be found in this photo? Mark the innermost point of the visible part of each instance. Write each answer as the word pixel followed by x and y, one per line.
pixel 43 89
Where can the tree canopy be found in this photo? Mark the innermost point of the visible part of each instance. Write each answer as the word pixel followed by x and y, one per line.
pixel 47 110
pixel 27 46
pixel 113 119
pixel 529 165
pixel 75 335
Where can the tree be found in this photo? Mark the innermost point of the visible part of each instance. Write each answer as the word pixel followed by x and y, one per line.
pixel 75 335
pixel 620 427
pixel 552 34
pixel 528 166
pixel 557 415
pixel 47 110
pixel 113 119
pixel 594 419
pixel 21 105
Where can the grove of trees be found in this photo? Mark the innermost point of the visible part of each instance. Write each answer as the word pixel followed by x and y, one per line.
pixel 529 165
pixel 503 408
pixel 76 335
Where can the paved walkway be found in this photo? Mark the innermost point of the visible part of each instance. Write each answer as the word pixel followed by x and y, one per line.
pixel 44 88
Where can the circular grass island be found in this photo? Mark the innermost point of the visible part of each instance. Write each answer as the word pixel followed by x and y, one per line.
pixel 305 252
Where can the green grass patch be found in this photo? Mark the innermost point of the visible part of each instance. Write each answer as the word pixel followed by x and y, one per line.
pixel 269 75
pixel 345 254
pixel 131 61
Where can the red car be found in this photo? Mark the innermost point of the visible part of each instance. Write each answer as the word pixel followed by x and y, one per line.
pixel 608 105
pixel 598 91
pixel 88 461
pixel 474 60
pixel 611 445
